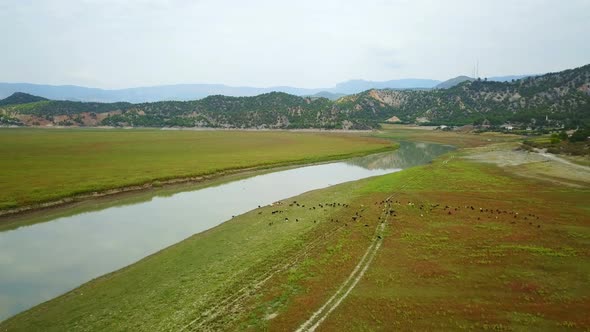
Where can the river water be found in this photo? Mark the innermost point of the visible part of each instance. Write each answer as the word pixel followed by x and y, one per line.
pixel 44 256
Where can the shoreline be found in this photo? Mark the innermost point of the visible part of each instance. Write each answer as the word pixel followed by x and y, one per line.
pixel 7 214
pixel 303 130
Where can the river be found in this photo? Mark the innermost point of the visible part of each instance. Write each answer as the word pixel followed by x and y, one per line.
pixel 43 256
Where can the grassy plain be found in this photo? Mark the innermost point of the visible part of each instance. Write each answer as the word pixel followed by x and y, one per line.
pixel 519 260
pixel 427 134
pixel 39 165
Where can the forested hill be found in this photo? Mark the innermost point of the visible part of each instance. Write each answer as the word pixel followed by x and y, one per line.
pixel 20 98
pixel 270 110
pixel 561 98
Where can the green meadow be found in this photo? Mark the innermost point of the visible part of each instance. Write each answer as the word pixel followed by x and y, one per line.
pixel 40 165
pixel 467 246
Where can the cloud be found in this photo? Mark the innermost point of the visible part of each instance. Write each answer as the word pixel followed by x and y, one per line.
pixel 111 43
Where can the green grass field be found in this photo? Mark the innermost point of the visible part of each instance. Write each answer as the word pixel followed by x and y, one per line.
pixel 519 260
pixel 40 165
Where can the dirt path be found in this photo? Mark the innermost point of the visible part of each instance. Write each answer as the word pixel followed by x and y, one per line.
pixel 233 302
pixel 563 161
pixel 357 273
pixel 538 164
pixel 322 313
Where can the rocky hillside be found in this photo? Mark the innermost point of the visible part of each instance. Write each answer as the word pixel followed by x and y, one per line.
pixel 561 98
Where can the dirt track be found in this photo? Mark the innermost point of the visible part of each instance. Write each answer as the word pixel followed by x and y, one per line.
pixel 539 165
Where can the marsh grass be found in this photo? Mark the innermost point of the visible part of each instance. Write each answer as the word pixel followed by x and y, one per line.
pixel 40 165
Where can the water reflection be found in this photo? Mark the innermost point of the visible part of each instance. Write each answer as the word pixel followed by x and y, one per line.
pixel 408 155
pixel 47 256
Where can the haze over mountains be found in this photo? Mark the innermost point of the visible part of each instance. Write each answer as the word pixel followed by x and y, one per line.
pixel 556 99
pixel 183 92
pixel 460 79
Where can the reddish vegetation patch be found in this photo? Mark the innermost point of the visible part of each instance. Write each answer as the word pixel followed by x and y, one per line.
pixel 524 286
pixel 428 269
pixel 573 311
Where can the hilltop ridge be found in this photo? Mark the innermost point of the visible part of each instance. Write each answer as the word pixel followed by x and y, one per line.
pixel 558 99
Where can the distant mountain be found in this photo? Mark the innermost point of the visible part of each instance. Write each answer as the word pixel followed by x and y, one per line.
pixel 20 98
pixel 183 92
pixel 508 78
pixel 460 79
pixel 453 81
pixel 135 95
pixel 356 86
pixel 194 91
pixel 326 94
pixel 555 99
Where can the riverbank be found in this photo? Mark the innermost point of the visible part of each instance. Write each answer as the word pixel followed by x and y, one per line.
pixel 203 179
pixel 49 168
pixel 93 239
pixel 437 262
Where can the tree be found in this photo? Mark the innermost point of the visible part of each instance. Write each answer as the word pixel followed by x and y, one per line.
pixel 580 135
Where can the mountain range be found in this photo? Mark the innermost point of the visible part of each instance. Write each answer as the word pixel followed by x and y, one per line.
pixel 184 92
pixel 554 99
pixel 459 79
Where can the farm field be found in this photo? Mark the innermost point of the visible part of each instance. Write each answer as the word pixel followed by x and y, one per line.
pixel 40 165
pixel 461 243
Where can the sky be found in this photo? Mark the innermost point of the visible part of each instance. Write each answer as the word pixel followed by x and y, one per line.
pixel 302 43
